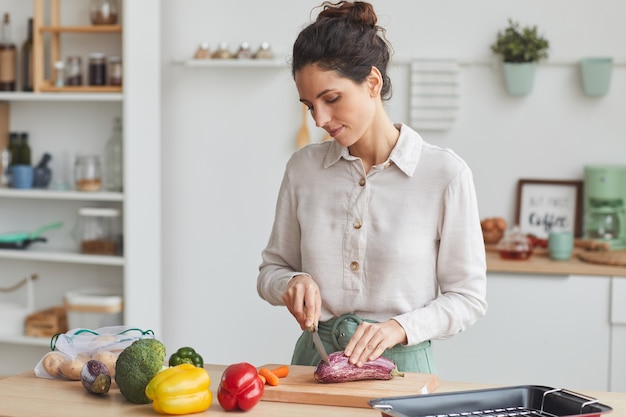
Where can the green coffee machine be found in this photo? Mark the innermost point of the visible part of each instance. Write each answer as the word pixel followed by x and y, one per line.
pixel 604 193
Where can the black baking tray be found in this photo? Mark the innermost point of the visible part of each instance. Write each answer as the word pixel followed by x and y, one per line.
pixel 523 400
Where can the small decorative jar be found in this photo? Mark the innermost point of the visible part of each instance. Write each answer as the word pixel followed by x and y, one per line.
pixel 222 52
pixel 88 173
pixel 264 52
pixel 103 12
pixel 244 51
pixel 203 51
pixel 515 245
pixel 74 71
pixel 115 71
pixel 97 69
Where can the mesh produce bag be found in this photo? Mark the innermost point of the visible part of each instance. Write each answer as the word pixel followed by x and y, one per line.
pixel 71 350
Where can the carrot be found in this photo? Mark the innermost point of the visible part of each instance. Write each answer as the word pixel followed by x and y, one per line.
pixel 263 379
pixel 281 371
pixel 270 377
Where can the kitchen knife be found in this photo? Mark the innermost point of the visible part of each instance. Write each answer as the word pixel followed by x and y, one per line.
pixel 318 344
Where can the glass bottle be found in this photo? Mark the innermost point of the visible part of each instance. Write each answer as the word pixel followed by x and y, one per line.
pixel 27 59
pixel 103 12
pixel 8 57
pixel 14 148
pixel 114 159
pixel 24 151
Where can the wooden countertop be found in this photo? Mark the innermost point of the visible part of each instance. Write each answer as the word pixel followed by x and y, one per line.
pixel 540 263
pixel 25 395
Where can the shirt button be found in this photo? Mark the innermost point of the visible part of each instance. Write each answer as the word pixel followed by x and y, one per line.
pixel 362 182
pixel 357 224
pixel 354 266
pixel 388 164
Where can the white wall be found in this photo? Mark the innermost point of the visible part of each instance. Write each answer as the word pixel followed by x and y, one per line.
pixel 228 132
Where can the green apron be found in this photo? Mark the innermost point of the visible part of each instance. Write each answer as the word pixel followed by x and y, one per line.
pixel 336 333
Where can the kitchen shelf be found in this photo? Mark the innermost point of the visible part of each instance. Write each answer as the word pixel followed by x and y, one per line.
pixel 65 95
pixel 46 86
pixel 25 340
pixel 234 63
pixel 62 257
pixel 82 29
pixel 60 195
pixel 54 30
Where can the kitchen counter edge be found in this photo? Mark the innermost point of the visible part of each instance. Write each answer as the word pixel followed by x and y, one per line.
pixel 541 264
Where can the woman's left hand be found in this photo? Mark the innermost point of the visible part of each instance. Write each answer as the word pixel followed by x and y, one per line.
pixel 370 340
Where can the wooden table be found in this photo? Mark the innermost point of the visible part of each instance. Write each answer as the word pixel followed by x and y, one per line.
pixel 28 396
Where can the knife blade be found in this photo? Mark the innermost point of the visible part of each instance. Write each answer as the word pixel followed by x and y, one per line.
pixel 317 341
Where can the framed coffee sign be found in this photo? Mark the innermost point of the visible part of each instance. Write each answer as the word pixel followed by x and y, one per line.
pixel 545 205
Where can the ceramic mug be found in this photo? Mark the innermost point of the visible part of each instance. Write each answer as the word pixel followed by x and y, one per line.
pixel 560 245
pixel 22 176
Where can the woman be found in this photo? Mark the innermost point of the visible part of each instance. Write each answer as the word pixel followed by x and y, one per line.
pixel 377 234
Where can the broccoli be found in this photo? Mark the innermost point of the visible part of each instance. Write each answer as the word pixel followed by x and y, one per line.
pixel 136 366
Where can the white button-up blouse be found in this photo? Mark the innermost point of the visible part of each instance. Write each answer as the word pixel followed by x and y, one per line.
pixel 401 242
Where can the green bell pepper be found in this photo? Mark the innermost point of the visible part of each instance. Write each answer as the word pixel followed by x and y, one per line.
pixel 186 355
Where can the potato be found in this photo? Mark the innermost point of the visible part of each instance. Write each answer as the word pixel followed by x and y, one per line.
pixel 71 369
pixel 108 358
pixel 52 362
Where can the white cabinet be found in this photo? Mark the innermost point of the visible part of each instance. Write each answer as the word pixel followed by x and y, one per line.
pixel 539 329
pixel 618 334
pixel 73 121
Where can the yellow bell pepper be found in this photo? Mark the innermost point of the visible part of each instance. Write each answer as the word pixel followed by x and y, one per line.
pixel 181 389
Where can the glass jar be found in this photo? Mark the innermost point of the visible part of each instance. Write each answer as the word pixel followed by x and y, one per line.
pixel 222 51
pixel 515 245
pixel 88 173
pixel 244 51
pixel 98 231
pixel 264 52
pixel 74 71
pixel 97 69
pixel 115 71
pixel 103 12
pixel 203 51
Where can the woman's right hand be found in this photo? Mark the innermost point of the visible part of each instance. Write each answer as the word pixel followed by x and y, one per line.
pixel 302 298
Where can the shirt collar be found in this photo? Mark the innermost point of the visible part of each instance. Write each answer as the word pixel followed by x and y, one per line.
pixel 404 155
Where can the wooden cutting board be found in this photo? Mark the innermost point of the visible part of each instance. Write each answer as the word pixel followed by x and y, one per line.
pixel 301 387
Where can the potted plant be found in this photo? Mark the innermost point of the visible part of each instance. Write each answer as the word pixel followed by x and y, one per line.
pixel 521 49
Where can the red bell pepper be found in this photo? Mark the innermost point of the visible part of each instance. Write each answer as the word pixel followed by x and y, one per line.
pixel 240 387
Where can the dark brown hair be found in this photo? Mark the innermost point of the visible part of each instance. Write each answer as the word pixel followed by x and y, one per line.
pixel 345 38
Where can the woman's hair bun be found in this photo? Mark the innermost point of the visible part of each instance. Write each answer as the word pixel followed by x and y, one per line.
pixel 357 12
